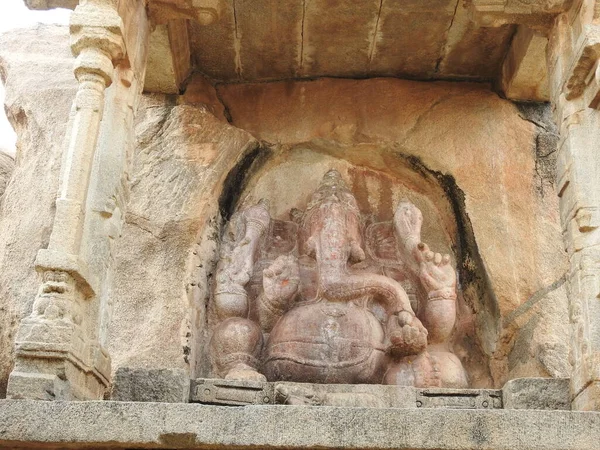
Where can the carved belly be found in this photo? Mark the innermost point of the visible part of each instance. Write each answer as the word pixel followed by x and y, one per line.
pixel 326 342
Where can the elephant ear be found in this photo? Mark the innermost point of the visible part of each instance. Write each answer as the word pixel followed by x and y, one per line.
pixel 382 246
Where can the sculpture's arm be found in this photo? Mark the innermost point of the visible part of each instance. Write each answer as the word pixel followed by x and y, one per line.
pixel 280 284
pixel 235 268
pixel 433 269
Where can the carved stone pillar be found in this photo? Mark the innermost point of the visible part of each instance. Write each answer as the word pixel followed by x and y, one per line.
pixel 573 62
pixel 58 350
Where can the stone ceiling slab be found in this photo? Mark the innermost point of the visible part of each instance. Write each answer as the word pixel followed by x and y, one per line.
pixel 330 48
pixel 479 54
pixel 213 46
pixel 269 38
pixel 473 51
pixel 272 40
pixel 409 45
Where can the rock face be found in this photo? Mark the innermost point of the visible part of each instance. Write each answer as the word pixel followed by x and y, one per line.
pixel 38 107
pixel 164 255
pixel 479 167
pixel 7 165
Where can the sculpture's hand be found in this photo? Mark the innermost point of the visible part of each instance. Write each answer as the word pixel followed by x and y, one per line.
pixel 407 222
pixel 281 280
pixel 406 333
pixel 435 271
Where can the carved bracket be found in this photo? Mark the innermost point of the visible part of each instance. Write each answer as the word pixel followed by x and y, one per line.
pixel 536 14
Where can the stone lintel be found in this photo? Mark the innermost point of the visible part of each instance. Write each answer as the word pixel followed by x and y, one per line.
pixel 119 425
pixel 524 74
pixel 151 385
pixel 50 4
pixel 520 393
pixel 494 13
pixel 537 393
pixel 204 12
pixel 168 58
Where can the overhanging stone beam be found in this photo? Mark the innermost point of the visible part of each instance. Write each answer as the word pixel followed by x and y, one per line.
pixel 524 75
pixel 534 13
pixel 50 4
pixel 169 58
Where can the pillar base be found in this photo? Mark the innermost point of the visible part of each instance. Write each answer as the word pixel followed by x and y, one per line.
pixel 55 362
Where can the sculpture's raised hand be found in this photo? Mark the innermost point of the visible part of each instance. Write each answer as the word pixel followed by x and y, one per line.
pixel 435 271
pixel 407 222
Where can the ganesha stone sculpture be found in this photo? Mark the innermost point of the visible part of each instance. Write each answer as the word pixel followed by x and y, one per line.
pixel 325 299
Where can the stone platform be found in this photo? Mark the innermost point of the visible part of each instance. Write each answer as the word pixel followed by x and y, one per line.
pixel 129 425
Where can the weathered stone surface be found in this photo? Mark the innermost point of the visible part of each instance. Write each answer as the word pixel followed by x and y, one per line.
pixel 373 130
pixel 471 51
pixel 376 123
pixel 38 107
pixel 537 393
pixel 354 38
pixel 524 74
pixel 7 165
pixel 120 425
pixel 168 63
pixel 150 385
pixel 163 259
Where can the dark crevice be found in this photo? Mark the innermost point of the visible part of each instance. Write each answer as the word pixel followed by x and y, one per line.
pixel 470 266
pixel 226 110
pixel 302 35
pixel 237 179
pixel 374 42
pixel 236 35
pixel 445 44
pixel 453 79
pixel 545 144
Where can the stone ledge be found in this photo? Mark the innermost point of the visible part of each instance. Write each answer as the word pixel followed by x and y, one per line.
pixel 120 425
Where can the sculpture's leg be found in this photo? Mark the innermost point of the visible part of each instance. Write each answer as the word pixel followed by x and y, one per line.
pixel 236 346
pixel 439 316
pixel 419 371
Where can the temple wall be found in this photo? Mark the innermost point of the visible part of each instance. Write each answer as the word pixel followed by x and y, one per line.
pixel 492 161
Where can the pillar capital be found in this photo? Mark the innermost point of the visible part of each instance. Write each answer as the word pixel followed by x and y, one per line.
pixel 97 39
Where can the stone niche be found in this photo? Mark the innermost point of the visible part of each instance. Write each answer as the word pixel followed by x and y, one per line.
pixel 325 263
pixel 478 167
